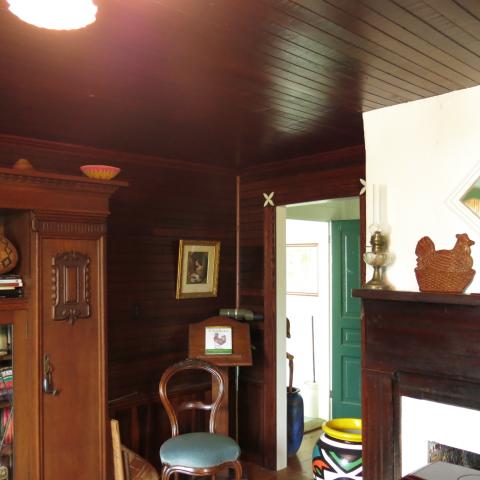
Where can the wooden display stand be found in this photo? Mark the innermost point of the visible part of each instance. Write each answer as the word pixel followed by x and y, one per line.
pixel 241 355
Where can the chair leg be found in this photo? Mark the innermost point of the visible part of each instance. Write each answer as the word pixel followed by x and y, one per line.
pixel 237 466
pixel 166 472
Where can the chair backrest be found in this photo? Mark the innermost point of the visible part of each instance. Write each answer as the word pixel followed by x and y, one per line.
pixel 191 364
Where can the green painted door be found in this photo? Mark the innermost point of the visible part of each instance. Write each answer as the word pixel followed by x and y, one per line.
pixel 346 336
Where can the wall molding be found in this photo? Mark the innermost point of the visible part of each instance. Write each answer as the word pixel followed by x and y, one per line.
pixel 307 160
pixel 109 156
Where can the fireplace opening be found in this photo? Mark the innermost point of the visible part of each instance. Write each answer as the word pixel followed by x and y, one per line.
pixel 433 431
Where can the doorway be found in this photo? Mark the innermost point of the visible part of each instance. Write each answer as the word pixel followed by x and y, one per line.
pixel 308 262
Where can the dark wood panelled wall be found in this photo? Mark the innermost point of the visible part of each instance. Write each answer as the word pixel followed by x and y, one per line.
pixel 318 177
pixel 147 327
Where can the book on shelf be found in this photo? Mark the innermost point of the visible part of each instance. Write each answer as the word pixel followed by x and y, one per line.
pixel 10 277
pixel 11 293
pixel 11 286
pixel 6 426
pixel 17 280
pixel 6 383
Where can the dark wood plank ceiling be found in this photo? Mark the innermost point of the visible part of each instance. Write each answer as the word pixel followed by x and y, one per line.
pixel 232 82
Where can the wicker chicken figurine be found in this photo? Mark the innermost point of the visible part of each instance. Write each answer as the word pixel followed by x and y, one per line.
pixel 448 271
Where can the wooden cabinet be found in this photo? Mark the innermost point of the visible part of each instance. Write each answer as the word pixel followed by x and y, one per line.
pixel 58 224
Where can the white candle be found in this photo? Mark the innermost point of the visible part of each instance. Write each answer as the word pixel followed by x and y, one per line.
pixel 382 206
pixel 375 205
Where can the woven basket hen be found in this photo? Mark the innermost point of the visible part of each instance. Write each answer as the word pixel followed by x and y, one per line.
pixel 445 271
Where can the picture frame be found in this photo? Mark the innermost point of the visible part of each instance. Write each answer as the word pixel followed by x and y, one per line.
pixel 198 267
pixel 302 269
pixel 218 340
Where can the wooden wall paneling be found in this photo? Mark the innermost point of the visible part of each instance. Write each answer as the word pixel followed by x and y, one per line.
pixel 378 435
pixel 144 422
pixel 329 175
pixel 166 200
pixel 148 325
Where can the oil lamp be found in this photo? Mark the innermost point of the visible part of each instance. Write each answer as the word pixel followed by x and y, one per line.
pixel 379 258
pixel 377 254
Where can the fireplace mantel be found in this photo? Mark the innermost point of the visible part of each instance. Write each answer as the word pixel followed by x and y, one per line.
pixel 420 345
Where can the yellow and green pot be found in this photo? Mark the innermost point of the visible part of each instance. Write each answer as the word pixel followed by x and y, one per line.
pixel 337 455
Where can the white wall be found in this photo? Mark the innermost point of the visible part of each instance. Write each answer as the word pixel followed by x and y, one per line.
pixel 426 154
pixel 423 421
pixel 300 309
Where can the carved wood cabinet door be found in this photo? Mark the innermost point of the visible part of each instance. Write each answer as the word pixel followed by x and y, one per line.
pixel 72 356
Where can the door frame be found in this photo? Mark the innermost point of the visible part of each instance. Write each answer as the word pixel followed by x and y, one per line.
pixel 272 424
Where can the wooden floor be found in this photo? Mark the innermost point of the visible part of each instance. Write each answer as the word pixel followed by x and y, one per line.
pixel 299 465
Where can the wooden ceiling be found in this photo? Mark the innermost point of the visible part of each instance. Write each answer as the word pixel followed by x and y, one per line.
pixel 232 82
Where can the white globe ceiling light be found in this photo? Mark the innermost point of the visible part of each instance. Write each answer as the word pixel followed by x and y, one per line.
pixel 55 14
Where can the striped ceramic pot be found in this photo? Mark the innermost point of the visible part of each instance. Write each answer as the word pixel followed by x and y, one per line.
pixel 337 455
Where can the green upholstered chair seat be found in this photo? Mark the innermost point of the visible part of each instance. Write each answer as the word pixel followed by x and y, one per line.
pixel 199 450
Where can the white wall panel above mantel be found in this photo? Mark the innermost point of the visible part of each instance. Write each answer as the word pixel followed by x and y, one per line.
pixel 425 152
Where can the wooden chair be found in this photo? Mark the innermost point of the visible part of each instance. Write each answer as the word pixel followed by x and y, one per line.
pixel 126 463
pixel 198 453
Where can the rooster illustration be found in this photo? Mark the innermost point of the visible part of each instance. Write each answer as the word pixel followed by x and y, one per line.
pixel 436 266
pixel 219 339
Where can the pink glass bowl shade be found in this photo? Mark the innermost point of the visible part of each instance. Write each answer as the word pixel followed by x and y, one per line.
pixel 100 172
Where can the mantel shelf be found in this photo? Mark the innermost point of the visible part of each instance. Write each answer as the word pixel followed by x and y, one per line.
pixel 401 296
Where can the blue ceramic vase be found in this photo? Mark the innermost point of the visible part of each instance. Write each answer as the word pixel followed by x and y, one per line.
pixel 294 420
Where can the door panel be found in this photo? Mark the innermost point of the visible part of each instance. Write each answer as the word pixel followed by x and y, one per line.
pixel 73 419
pixel 346 333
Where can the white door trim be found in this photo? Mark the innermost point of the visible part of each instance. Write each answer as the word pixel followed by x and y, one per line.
pixel 281 309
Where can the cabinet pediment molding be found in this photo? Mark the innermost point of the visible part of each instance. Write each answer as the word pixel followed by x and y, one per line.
pixel 60 223
pixel 58 181
pixel 34 190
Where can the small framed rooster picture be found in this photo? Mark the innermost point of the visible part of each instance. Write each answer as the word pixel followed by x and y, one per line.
pixel 218 340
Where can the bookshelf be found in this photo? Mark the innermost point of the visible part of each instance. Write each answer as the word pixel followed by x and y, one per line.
pixel 57 329
pixel 6 403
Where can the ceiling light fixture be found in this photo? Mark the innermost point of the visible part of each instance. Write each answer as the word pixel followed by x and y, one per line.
pixel 55 14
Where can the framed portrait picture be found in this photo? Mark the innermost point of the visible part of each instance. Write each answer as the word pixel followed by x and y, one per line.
pixel 218 340
pixel 198 262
